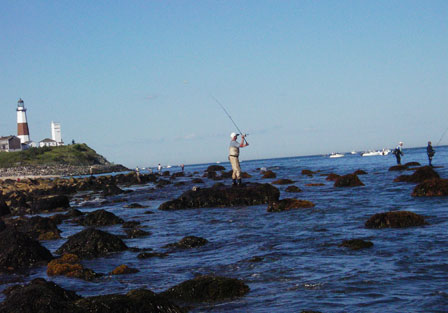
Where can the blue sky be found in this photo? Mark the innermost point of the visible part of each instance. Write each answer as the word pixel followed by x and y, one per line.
pixel 135 79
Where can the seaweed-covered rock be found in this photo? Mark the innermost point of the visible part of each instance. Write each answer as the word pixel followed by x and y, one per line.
pixel 135 301
pixel 223 196
pixel 431 188
pixel 398 168
pixel 283 181
pixel 332 177
pixel 356 244
pixel 215 168
pixel 409 164
pixel 315 184
pixel 289 204
pixel 293 189
pixel 136 232
pixel 421 174
pixel 91 243
pixel 197 181
pixel 124 269
pixel 100 218
pixel 135 206
pixel 112 190
pixel 20 252
pixel 49 203
pixel 350 180
pixel 188 243
pixel 207 289
pixel 147 255
pixel 269 174
pixel 37 227
pixel 308 173
pixel 360 172
pixel 395 219
pixel 69 265
pixel 39 296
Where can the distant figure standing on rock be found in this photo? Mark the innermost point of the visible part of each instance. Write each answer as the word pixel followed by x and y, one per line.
pixel 234 153
pixel 430 151
pixel 159 168
pixel 182 167
pixel 399 152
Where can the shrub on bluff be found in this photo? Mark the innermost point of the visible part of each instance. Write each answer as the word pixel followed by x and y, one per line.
pixel 222 196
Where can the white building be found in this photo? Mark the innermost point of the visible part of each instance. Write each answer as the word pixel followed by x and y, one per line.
pixel 47 142
pixel 56 133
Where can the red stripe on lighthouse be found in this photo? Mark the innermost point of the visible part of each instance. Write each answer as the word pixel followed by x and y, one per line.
pixel 22 129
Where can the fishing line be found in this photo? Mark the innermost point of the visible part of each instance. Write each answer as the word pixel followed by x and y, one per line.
pixel 443 135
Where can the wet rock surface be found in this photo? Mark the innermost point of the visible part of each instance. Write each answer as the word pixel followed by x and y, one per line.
pixel 350 180
pixel 269 174
pixel 398 168
pixel 50 203
pixel 188 243
pixel 395 219
pixel 207 289
pixel 289 204
pixel 283 181
pixel 91 243
pixel 37 227
pixel 293 189
pixel 220 196
pixel 431 188
pixel 100 218
pixel 123 269
pixel 69 265
pixel 4 209
pixel 18 251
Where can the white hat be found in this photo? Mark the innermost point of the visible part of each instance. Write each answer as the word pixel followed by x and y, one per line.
pixel 233 135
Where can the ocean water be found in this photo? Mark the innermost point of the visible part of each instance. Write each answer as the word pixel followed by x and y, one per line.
pixel 299 264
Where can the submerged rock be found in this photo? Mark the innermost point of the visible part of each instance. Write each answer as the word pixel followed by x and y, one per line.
pixel 39 296
pixel 360 172
pixel 350 180
pixel 147 255
pixel 20 252
pixel 136 232
pixel 289 204
pixel 308 173
pixel 356 244
pixel 409 164
pixel 207 289
pixel 269 174
pixel 222 196
pixel 124 269
pixel 91 243
pixel 293 189
pixel 431 188
pixel 188 243
pixel 283 181
pixel 420 175
pixel 332 177
pixel 398 168
pixel 100 218
pixel 215 168
pixel 395 219
pixel 135 206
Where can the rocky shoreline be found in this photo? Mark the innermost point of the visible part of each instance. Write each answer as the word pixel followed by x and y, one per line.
pixel 59 170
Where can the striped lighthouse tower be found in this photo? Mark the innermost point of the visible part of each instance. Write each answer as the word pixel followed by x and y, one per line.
pixel 22 125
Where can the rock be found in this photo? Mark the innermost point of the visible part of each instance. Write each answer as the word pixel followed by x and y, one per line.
pixel 49 203
pixel 307 173
pixel 178 174
pixel 39 296
pixel 314 184
pixel 112 190
pixel 350 180
pixel 293 189
pixel 398 168
pixel 124 269
pixel 395 219
pixel 37 227
pixel 283 181
pixel 360 172
pixel 409 164
pixel 431 188
pixel 269 174
pixel 135 206
pixel 215 168
pixel 136 233
pixel 69 265
pixel 20 252
pixel 91 243
pixel 100 218
pixel 197 181
pixel 356 244
pixel 130 224
pixel 420 175
pixel 207 289
pixel 162 183
pixel 4 209
pixel 135 301
pixel 2 225
pixel 188 243
pixel 289 204
pixel 223 196
pixel 147 255
pixel 332 177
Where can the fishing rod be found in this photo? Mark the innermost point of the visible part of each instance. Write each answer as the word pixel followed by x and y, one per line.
pixel 441 137
pixel 224 109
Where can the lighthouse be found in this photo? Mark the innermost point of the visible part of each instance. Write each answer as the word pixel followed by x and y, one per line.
pixel 22 125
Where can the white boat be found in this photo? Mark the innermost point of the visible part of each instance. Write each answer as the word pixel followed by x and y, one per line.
pixel 336 155
pixel 353 152
pixel 375 153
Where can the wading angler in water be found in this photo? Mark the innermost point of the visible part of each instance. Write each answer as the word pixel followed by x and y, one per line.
pixel 234 153
pixel 399 152
pixel 430 151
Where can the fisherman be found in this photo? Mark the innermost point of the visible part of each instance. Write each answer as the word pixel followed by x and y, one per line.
pixel 137 173
pixel 234 152
pixel 159 168
pixel 399 152
pixel 430 151
pixel 182 167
